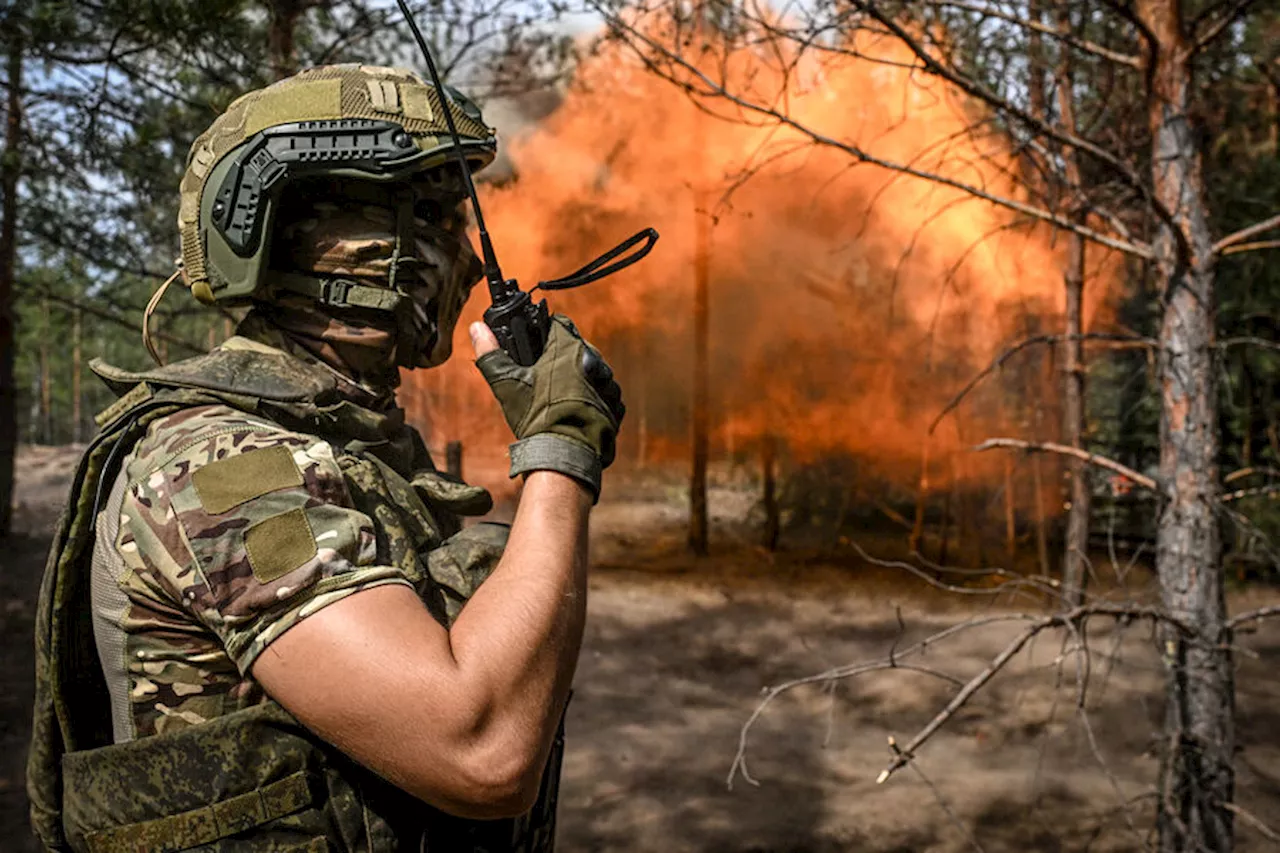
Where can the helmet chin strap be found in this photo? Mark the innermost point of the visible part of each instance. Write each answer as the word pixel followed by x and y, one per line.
pixel 152 305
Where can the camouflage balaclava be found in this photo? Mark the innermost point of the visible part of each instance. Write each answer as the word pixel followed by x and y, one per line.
pixel 338 228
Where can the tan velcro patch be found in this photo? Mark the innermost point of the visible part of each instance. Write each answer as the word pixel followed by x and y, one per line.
pixel 230 482
pixel 313 101
pixel 416 103
pixel 279 545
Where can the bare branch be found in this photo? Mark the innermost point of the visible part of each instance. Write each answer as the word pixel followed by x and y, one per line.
pixel 1080 44
pixel 1251 493
pixel 1249 340
pixel 1092 458
pixel 893 661
pixel 998 663
pixel 1139 250
pixel 1253 616
pixel 977 90
pixel 1249 472
pixel 1215 21
pixel 1252 820
pixel 1240 248
pixel 1245 233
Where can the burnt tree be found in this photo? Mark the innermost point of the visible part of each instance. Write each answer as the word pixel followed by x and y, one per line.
pixel 10 172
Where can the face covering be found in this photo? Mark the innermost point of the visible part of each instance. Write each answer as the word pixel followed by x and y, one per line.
pixel 326 234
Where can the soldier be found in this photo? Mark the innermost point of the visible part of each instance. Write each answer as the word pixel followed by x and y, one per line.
pixel 252 633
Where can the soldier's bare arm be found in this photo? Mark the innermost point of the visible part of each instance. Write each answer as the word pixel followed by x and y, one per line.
pixel 463 719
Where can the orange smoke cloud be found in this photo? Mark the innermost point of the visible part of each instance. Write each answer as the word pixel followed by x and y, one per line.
pixel 848 303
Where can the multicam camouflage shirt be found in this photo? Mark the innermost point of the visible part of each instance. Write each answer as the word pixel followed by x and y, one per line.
pixel 222 531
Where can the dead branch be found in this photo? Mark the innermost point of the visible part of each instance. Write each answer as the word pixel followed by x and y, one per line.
pixel 1053 447
pixel 1251 247
pixel 1240 494
pixel 1245 233
pixel 1069 618
pixel 1119 340
pixel 1216 19
pixel 1083 45
pixel 892 661
pixel 1253 616
pixel 1249 472
pixel 1249 340
pixel 1011 582
pixel 1252 820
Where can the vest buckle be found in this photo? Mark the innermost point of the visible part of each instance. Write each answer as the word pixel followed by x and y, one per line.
pixel 336 291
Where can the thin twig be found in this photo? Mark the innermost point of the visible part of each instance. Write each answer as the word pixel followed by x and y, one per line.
pixel 1053 447
pixel 1252 820
pixel 1253 616
pixel 1256 246
pixel 1249 340
pixel 1245 233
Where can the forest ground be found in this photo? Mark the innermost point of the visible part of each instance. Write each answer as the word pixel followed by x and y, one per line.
pixel 678 650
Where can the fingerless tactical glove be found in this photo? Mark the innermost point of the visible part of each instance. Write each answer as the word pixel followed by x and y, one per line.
pixel 564 410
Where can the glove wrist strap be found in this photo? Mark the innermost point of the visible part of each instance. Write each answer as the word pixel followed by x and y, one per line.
pixel 550 452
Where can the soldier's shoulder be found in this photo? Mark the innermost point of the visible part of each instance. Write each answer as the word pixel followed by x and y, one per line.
pixel 194 437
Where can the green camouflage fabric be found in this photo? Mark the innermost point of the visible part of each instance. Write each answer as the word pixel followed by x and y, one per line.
pixel 216 765
pixel 339 228
pixel 198 614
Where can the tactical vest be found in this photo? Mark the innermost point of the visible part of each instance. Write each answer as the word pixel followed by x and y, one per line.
pixel 255 779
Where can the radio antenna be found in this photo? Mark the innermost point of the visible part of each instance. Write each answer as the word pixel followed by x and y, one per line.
pixel 498 287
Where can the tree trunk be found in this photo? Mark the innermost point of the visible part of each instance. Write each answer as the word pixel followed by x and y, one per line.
pixel 46 382
pixel 1042 521
pixel 1075 558
pixel 10 170
pixel 453 459
pixel 915 540
pixel 282 52
pixel 1010 511
pixel 701 382
pixel 769 496
pixel 77 355
pixel 1197 779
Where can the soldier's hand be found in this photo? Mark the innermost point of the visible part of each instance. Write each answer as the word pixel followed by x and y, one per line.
pixel 564 410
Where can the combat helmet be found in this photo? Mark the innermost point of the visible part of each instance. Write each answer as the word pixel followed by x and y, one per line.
pixel 369 123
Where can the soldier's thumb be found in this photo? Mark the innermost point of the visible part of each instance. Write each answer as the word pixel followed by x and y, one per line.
pixel 482 339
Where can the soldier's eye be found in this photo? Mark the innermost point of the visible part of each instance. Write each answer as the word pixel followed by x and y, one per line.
pixel 428 210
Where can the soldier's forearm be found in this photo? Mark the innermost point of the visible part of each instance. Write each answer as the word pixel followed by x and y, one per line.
pixel 519 635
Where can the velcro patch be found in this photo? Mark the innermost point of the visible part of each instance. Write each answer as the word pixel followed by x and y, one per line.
pixel 230 482
pixel 279 545
pixel 313 101
pixel 416 104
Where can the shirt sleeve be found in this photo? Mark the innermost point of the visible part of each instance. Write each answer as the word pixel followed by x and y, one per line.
pixel 246 527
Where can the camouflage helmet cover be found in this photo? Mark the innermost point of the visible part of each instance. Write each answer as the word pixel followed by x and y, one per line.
pixel 214 271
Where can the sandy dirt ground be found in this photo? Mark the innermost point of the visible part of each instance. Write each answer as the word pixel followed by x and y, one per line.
pixel 677 655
